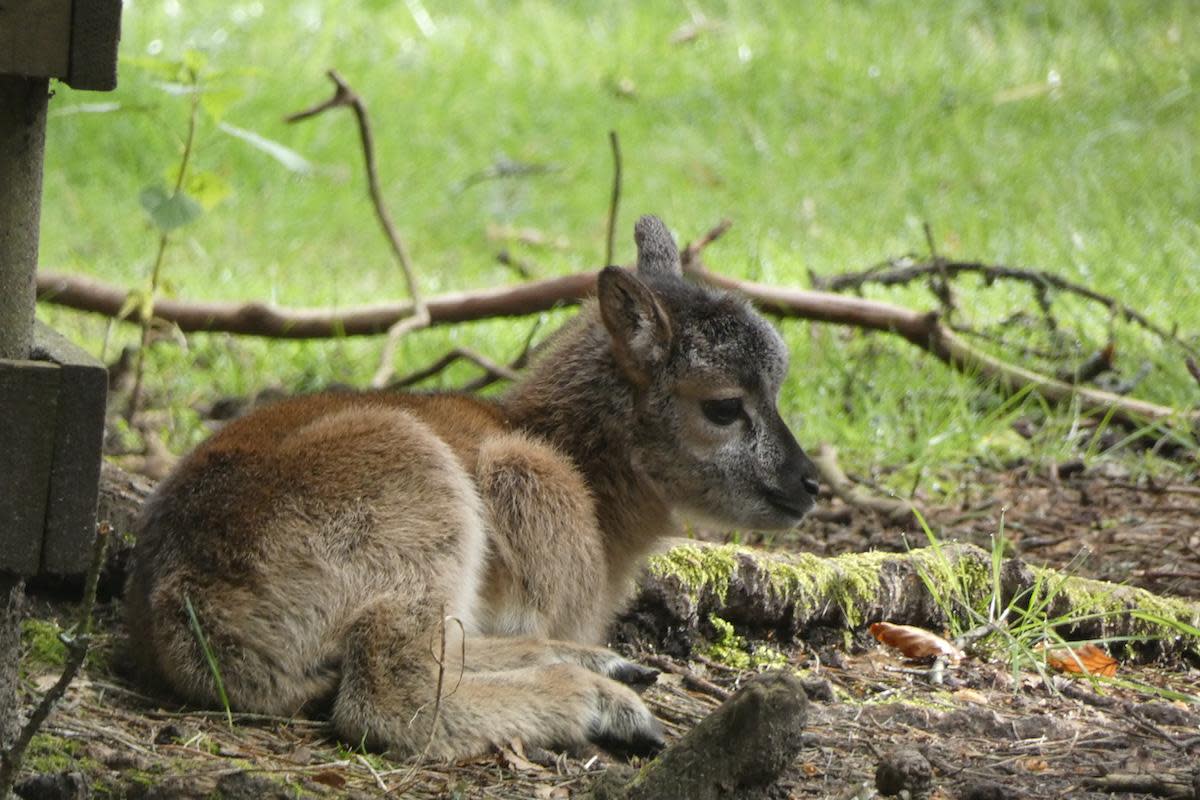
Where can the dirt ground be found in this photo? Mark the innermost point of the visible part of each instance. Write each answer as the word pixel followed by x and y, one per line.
pixel 982 733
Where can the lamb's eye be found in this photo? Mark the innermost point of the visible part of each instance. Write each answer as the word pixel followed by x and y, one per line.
pixel 725 411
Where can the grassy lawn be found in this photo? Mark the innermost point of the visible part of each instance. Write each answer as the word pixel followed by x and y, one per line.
pixel 1059 136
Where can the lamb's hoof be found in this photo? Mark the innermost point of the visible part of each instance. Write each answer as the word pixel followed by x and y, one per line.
pixel 645 743
pixel 633 674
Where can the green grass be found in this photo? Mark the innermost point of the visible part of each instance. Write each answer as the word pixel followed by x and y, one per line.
pixel 1051 135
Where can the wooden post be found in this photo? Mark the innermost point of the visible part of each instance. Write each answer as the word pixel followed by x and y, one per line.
pixel 52 395
pixel 22 141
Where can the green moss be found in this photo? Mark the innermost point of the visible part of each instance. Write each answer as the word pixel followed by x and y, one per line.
pixel 849 580
pixel 698 567
pixel 49 753
pixel 1155 616
pixel 43 647
pixel 734 651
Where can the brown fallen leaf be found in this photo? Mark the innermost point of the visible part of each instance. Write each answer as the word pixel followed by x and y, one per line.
pixel 1087 658
pixel 513 757
pixel 328 778
pixel 914 642
pixel 971 696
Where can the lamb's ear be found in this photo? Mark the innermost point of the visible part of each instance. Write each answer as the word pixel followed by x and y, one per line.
pixel 656 247
pixel 636 321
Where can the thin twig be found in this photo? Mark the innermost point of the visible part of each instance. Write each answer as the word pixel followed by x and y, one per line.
pixel 345 96
pixel 77 650
pixel 411 776
pixel 520 266
pixel 517 364
pixel 939 283
pixel 615 201
pixel 490 368
pixel 693 249
pixel 1193 368
pixel 690 679
pixel 825 460
pixel 1096 364
pixel 378 780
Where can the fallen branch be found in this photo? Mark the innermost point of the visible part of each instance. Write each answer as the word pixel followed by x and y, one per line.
pixel 1176 787
pixel 825 460
pixel 418 316
pixel 783 596
pixel 926 331
pixel 260 319
pixel 899 273
pixel 923 329
pixel 738 751
pixel 12 614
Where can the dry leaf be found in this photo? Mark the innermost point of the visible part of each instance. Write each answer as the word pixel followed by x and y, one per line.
pixel 1034 764
pixel 914 642
pixel 43 682
pixel 514 758
pixel 1086 658
pixel 329 778
pixel 971 696
pixel 551 793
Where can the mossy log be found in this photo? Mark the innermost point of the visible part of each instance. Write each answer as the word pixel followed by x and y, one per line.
pixel 785 597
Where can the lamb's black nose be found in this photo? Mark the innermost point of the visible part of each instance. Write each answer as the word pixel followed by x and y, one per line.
pixel 811 486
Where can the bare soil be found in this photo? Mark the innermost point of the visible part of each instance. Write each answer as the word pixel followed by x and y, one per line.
pixel 983 732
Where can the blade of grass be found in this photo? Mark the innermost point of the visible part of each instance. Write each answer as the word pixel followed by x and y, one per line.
pixel 210 657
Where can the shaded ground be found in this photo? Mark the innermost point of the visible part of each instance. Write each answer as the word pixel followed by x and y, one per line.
pixel 985 732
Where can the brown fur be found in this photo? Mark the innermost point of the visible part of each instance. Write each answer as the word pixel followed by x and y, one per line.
pixel 324 541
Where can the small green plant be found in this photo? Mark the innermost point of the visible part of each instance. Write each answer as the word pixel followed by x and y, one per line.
pixel 732 650
pixel 209 656
pixel 42 640
pixel 1025 630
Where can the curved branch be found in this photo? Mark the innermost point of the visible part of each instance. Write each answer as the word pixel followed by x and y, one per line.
pixel 921 328
pixel 926 331
pixel 260 319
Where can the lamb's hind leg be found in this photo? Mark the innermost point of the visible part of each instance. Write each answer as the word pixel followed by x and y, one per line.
pixel 388 695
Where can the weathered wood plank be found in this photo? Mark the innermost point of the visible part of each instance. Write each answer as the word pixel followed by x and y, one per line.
pixel 35 38
pixel 22 140
pixel 28 415
pixel 95 32
pixel 75 472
